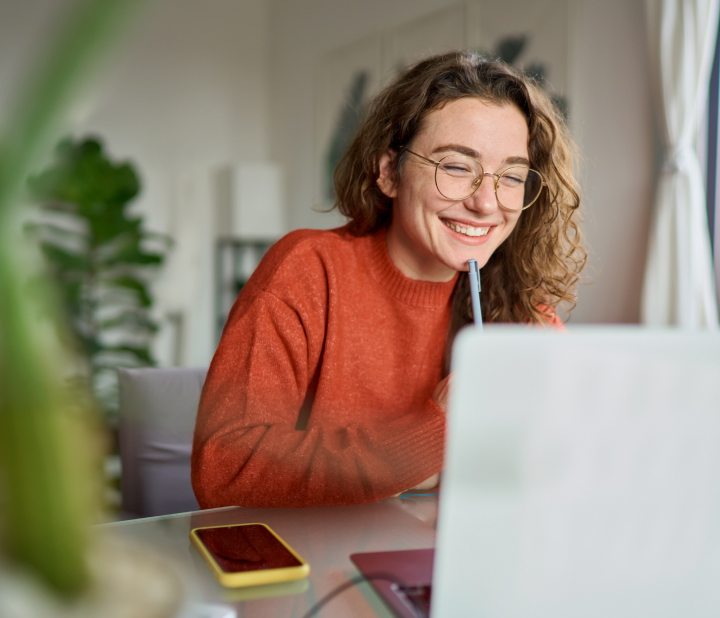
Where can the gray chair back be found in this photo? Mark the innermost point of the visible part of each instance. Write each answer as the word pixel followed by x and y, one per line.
pixel 156 423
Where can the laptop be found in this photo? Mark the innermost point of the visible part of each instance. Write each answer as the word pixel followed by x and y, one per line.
pixel 582 478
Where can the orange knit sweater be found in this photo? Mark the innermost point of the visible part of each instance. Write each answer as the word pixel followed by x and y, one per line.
pixel 319 392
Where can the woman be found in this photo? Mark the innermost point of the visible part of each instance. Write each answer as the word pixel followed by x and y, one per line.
pixel 329 383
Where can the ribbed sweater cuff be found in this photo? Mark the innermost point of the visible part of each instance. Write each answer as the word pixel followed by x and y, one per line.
pixel 416 445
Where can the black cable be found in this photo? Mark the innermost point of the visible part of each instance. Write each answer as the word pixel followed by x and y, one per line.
pixel 349 584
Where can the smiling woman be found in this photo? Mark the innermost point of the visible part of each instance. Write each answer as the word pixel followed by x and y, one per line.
pixel 432 236
pixel 330 381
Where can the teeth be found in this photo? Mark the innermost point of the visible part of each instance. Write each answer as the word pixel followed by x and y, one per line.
pixel 468 231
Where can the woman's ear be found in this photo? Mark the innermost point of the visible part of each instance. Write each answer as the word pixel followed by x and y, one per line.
pixel 386 179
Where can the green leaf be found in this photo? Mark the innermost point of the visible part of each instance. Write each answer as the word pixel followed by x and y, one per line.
pixel 112 225
pixel 90 344
pixel 51 233
pixel 133 255
pixel 129 283
pixel 141 353
pixel 132 319
pixel 84 176
pixel 65 260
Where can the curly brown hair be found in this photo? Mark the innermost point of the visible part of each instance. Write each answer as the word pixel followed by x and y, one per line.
pixel 537 267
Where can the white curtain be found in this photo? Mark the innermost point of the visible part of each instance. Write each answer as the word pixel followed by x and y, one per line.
pixel 679 288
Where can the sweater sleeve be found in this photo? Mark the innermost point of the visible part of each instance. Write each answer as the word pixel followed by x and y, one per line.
pixel 247 450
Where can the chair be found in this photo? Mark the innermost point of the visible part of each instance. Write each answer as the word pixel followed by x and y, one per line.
pixel 156 423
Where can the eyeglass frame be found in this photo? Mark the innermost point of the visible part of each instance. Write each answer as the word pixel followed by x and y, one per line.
pixel 481 177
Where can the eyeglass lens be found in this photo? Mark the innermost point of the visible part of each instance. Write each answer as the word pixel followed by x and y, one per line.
pixel 458 176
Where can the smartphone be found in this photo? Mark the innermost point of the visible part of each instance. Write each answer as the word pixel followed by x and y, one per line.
pixel 248 555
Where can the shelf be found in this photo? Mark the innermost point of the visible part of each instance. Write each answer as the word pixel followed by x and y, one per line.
pixel 235 261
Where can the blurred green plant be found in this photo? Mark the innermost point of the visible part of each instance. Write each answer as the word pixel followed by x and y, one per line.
pixel 99 256
pixel 43 437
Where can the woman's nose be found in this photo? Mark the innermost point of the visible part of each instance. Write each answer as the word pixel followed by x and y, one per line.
pixel 484 200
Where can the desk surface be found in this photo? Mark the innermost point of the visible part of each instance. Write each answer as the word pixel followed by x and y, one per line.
pixel 325 537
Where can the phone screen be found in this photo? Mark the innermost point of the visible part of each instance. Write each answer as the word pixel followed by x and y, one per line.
pixel 246 548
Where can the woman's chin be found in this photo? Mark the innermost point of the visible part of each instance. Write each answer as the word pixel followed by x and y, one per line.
pixel 460 262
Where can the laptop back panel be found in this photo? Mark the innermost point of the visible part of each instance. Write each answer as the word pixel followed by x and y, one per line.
pixel 582 475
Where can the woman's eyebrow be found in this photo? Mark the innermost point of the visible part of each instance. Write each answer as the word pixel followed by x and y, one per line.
pixel 517 161
pixel 469 152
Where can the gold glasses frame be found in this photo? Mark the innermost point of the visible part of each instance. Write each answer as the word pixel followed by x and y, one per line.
pixel 479 179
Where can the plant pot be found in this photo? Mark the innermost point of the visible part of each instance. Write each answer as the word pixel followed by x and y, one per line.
pixel 127 581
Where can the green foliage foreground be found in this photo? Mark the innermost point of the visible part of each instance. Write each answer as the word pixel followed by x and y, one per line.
pixel 44 512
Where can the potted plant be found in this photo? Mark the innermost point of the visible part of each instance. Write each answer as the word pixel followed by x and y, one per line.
pixel 100 257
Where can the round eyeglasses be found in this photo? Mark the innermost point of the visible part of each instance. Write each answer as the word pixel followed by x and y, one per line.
pixel 458 176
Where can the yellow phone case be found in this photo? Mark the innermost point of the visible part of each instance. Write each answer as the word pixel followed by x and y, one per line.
pixel 251 578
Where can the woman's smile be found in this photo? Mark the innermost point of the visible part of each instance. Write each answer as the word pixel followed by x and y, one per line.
pixel 472 230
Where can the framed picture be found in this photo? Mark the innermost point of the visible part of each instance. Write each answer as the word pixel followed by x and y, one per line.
pixel 346 79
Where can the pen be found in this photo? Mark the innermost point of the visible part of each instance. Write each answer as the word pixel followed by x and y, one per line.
pixel 474 273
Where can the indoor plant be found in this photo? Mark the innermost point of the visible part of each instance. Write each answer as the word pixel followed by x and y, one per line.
pixel 99 254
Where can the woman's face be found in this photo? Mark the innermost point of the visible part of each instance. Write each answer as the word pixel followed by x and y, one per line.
pixel 420 239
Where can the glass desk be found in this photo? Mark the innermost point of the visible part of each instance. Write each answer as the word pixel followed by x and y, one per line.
pixel 324 536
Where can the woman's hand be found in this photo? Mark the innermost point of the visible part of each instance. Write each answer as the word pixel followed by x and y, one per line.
pixel 439 396
pixel 430 483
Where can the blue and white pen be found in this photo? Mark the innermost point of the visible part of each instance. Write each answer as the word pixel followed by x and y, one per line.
pixel 474 273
